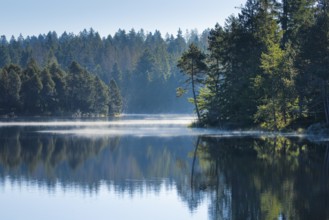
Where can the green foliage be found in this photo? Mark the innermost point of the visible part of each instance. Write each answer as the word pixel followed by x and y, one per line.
pixel 192 64
pixel 267 66
pixel 47 94
pixel 80 89
pixel 180 91
pixel 209 99
pixel 102 97
pixel 120 57
pixel 115 99
pixel 10 86
pixel 116 73
pixel 31 88
pixel 60 95
pixel 277 88
pixel 4 55
pixel 51 91
pixel 146 66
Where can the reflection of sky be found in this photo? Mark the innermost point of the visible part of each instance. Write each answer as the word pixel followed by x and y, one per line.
pixel 30 201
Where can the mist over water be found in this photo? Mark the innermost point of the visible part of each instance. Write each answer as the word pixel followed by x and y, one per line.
pixel 139 125
pixel 133 124
pixel 145 125
pixel 124 120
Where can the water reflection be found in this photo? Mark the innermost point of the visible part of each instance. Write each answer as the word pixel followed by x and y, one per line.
pixel 126 163
pixel 266 178
pixel 239 177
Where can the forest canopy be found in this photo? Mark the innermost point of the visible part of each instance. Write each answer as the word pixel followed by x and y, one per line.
pixel 143 65
pixel 52 91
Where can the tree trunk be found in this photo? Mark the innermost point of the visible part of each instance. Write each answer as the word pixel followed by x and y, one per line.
pixel 217 78
pixel 194 95
pixel 274 116
pixel 300 105
pixel 325 102
pixel 272 98
pixel 217 92
pixel 284 114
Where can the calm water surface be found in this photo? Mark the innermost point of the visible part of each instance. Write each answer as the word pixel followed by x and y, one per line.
pixel 155 167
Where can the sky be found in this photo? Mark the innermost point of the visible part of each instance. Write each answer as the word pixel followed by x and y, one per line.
pixel 34 17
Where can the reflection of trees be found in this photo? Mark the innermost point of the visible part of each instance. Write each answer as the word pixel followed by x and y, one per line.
pixel 32 155
pixel 127 165
pixel 245 178
pixel 264 178
pixel 148 161
pixel 191 190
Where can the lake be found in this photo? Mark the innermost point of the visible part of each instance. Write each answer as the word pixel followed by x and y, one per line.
pixel 155 167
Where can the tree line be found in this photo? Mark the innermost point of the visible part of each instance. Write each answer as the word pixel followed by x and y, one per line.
pixel 143 64
pixel 53 91
pixel 267 66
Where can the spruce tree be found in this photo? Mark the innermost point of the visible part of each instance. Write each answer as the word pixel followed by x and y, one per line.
pixel 115 99
pixel 31 88
pixel 192 65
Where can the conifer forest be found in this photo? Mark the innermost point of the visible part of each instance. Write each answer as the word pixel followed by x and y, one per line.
pixel 266 67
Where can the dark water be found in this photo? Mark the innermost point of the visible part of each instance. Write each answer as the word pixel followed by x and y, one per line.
pixel 154 167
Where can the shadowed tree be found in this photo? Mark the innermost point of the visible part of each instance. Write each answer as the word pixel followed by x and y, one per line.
pixel 47 94
pixel 59 78
pixel 278 88
pixel 192 64
pixel 10 86
pixel 115 99
pixel 4 55
pixel 210 98
pixel 31 87
pixel 102 97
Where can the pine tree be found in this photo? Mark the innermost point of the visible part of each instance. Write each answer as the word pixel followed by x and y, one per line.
pixel 240 54
pixel 47 94
pixel 297 18
pixel 116 73
pixel 210 96
pixel 60 97
pixel 10 86
pixel 316 55
pixel 192 65
pixel 115 99
pixel 31 88
pixel 80 87
pixel 4 55
pixel 102 97
pixel 277 85
pixel 145 69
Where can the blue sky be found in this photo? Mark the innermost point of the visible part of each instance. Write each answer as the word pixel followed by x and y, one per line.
pixel 32 17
